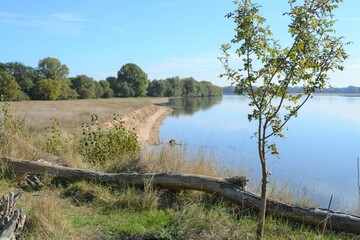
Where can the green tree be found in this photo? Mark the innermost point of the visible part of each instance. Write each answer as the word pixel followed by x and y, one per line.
pixel 113 84
pixel 108 94
pixel 84 86
pixel 25 76
pixel 190 87
pixel 51 68
pixel 98 89
pixel 125 90
pixel 2 67
pixel 157 88
pixel 66 91
pixel 107 91
pixel 48 89
pixel 268 69
pixel 176 87
pixel 135 78
pixel 105 85
pixel 229 90
pixel 9 88
pixel 211 90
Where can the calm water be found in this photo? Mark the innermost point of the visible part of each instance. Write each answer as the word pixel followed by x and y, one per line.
pixel 319 153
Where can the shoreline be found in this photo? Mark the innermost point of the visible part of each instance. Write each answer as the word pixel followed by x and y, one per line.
pixel 146 122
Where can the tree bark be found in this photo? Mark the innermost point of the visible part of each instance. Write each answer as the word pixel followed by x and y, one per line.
pixel 11 220
pixel 263 200
pixel 314 216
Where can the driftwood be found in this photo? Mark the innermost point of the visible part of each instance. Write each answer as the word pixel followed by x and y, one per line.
pixel 30 181
pixel 11 221
pixel 314 216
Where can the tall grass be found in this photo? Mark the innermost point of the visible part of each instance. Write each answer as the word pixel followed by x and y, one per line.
pixel 71 113
pixel 177 159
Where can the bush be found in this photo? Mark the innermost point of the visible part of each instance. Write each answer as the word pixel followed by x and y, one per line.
pixel 57 143
pixel 10 123
pixel 114 147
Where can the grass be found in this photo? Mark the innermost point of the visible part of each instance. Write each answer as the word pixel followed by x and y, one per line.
pixel 81 210
pixel 90 211
pixel 71 113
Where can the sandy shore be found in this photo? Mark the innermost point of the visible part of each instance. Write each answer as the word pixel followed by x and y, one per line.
pixel 146 122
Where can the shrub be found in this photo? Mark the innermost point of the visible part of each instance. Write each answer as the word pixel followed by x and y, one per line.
pixel 12 128
pixel 116 146
pixel 11 123
pixel 57 142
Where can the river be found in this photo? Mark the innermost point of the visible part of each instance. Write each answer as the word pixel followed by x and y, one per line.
pixel 318 156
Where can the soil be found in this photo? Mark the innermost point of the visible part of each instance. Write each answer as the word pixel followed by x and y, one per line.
pixel 146 122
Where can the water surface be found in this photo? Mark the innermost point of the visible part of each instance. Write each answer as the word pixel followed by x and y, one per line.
pixel 319 153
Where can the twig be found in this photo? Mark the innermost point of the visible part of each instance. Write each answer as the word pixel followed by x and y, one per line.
pixel 358 172
pixel 327 215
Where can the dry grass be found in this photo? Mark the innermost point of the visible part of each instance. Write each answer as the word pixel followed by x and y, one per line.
pixel 37 115
pixel 177 159
pixel 282 192
pixel 71 113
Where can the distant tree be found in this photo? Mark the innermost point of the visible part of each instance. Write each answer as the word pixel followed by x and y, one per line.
pixel 125 90
pixel 229 90
pixel 25 76
pixel 52 74
pixel 98 89
pixel 202 90
pixel 108 94
pixel 208 89
pixel 48 89
pixel 66 91
pixel 113 81
pixel 84 86
pixel 157 88
pixel 51 68
pixel 132 81
pixel 176 87
pixel 105 85
pixel 107 91
pixel 9 88
pixel 2 67
pixel 190 88
pixel 314 51
pixel 187 87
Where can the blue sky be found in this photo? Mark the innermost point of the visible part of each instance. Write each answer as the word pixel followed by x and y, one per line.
pixel 164 37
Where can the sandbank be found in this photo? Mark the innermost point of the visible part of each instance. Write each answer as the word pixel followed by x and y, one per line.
pixel 146 122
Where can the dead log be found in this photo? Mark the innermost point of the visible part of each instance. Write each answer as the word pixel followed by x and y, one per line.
pixel 11 220
pixel 314 216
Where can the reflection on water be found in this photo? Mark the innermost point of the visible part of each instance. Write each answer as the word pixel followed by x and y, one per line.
pixel 320 150
pixel 188 106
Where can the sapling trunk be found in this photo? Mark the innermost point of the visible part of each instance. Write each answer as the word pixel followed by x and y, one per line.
pixel 262 212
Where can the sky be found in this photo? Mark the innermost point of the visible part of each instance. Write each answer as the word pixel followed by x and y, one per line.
pixel 165 38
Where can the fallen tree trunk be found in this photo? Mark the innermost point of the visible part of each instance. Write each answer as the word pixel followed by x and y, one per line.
pixel 11 220
pixel 314 216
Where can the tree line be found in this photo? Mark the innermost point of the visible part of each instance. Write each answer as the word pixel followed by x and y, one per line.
pixel 50 81
pixel 186 87
pixel 230 90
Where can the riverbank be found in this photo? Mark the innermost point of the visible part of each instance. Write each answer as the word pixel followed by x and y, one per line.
pixel 146 122
pixel 86 210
